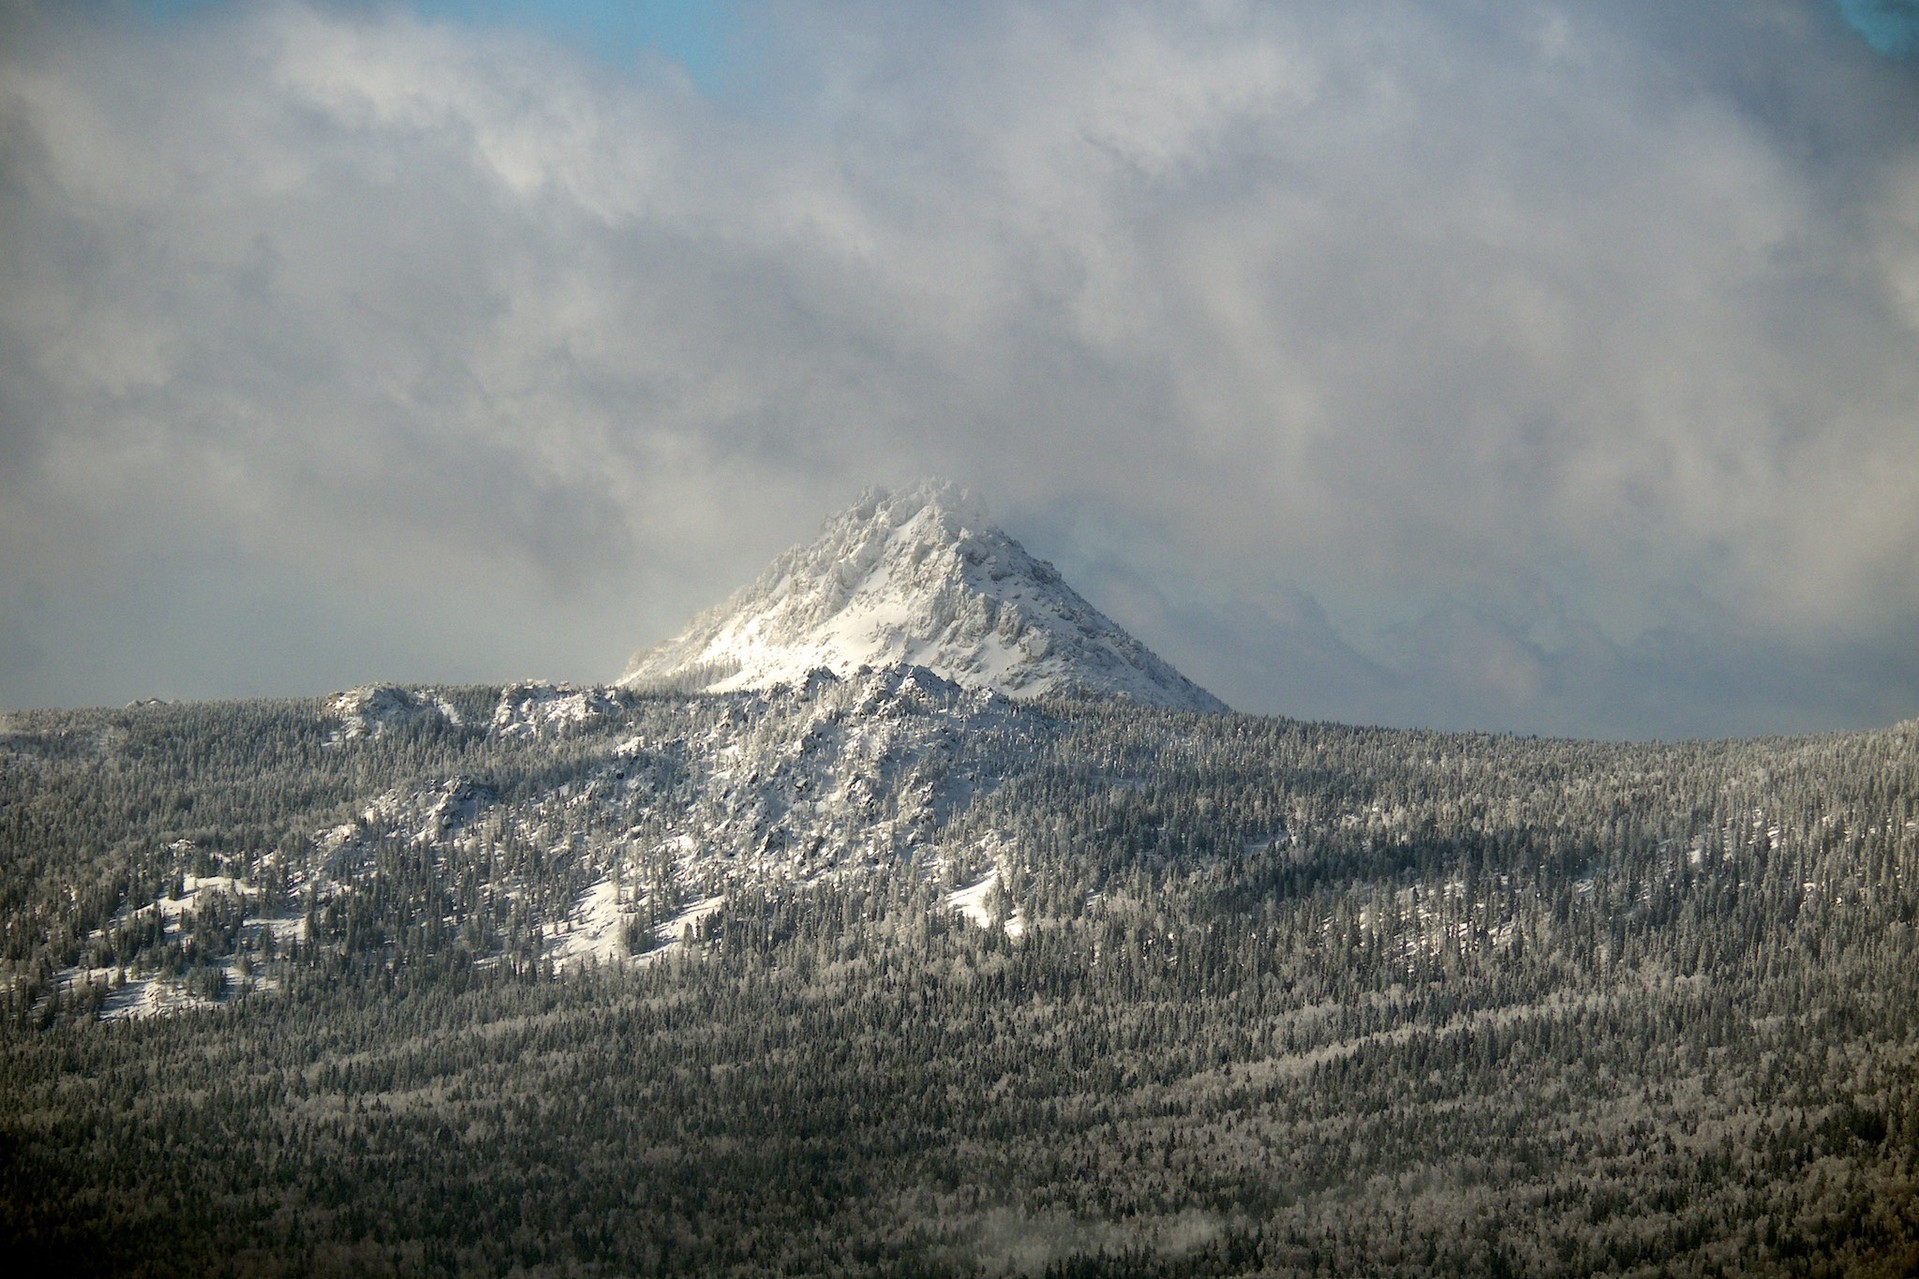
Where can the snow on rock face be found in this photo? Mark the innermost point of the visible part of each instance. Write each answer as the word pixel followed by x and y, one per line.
pixel 459 802
pixel 915 578
pixel 841 773
pixel 371 710
pixel 534 709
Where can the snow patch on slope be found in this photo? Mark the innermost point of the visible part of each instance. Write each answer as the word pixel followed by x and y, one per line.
pixel 675 933
pixel 137 990
pixel 594 931
pixel 978 903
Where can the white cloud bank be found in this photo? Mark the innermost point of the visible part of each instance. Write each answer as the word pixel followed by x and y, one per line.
pixel 1532 368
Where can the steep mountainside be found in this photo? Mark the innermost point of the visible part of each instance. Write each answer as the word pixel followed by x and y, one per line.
pixel 920 578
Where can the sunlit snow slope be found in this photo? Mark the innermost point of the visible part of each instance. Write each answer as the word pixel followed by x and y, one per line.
pixel 915 577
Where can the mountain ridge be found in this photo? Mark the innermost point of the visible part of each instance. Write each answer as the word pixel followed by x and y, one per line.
pixel 921 577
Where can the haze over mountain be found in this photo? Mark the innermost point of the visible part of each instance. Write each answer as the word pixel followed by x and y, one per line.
pixel 917 577
pixel 1537 369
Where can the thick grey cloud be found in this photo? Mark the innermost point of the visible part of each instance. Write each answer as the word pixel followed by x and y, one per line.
pixel 1517 367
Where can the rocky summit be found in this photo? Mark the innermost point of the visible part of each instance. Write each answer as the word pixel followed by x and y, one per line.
pixel 917 577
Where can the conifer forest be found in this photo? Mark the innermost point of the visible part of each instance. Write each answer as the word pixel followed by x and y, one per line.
pixel 879 976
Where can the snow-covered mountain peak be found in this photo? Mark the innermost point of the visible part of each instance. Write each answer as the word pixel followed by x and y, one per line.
pixel 915 577
pixel 943 503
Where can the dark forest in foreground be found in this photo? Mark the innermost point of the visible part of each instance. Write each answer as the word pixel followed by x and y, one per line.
pixel 1279 998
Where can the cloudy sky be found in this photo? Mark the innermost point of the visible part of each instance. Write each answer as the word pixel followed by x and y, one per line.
pixel 1536 367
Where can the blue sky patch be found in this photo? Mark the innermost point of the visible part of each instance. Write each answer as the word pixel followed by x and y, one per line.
pixel 617 31
pixel 1889 26
pixel 697 35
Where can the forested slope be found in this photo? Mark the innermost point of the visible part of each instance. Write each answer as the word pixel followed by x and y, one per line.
pixel 1279 997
